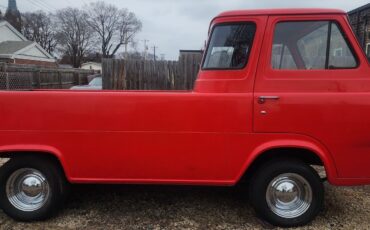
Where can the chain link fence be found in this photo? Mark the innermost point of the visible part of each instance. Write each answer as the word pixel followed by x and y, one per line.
pixel 15 81
pixel 21 77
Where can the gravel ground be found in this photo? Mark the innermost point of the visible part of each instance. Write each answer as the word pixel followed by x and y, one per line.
pixel 163 207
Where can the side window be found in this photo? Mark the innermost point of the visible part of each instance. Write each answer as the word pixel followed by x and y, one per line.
pixel 230 46
pixel 282 57
pixel 312 45
pixel 341 55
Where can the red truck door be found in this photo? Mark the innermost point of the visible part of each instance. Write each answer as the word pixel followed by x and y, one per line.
pixel 314 80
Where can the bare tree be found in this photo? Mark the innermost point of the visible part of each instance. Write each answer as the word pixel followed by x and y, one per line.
pixel 37 26
pixel 113 27
pixel 74 34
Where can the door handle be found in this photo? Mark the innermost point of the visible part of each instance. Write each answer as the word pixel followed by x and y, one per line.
pixel 263 99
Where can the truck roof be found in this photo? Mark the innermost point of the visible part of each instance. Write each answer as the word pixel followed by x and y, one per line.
pixel 290 11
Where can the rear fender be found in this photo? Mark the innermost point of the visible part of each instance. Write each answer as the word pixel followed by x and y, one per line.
pixel 12 150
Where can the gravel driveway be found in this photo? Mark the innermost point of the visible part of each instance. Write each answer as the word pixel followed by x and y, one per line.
pixel 156 207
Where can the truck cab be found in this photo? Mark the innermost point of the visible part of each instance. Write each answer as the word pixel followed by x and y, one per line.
pixel 306 75
pixel 279 91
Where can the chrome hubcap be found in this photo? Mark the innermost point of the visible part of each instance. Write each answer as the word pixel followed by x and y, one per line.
pixel 27 189
pixel 289 195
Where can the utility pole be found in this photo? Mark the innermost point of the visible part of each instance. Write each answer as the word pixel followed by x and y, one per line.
pixel 154 48
pixel 145 48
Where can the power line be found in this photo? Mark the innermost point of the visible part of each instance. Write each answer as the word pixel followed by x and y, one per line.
pixel 42 4
pixel 69 2
pixel 37 5
pixel 33 5
pixel 46 4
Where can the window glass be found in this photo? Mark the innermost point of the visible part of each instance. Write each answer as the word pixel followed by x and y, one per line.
pixel 310 45
pixel 340 54
pixel 98 81
pixel 282 57
pixel 230 46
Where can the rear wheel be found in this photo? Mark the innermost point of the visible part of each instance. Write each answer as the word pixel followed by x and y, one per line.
pixel 31 188
pixel 287 193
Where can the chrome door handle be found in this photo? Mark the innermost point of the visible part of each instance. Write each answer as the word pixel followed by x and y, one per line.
pixel 263 99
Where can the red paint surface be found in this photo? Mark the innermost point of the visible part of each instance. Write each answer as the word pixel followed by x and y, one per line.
pixel 209 136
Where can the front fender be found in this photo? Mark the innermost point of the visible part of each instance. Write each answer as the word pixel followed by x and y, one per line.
pixel 298 142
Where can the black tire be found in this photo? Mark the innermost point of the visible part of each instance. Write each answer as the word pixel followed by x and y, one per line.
pixel 270 172
pixel 57 187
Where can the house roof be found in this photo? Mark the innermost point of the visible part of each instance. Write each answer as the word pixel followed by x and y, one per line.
pixel 11 47
pixel 364 7
pixel 21 48
pixel 11 28
pixel 24 50
pixel 281 12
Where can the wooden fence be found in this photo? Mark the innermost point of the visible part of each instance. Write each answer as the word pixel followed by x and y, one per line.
pixel 151 75
pixel 24 77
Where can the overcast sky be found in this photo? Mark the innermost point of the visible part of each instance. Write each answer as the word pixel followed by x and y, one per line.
pixel 181 24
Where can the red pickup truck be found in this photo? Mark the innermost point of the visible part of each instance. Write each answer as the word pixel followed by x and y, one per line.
pixel 279 91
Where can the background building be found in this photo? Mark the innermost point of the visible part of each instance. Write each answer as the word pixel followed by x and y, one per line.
pixel 15 48
pixel 360 22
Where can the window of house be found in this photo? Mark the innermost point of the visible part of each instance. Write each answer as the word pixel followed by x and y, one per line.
pixel 230 46
pixel 311 45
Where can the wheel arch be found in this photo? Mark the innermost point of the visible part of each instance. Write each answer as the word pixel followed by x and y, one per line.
pixel 309 152
pixel 49 152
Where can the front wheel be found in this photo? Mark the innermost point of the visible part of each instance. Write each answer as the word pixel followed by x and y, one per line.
pixel 287 193
pixel 31 188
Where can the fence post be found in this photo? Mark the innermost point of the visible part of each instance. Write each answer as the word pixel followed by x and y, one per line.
pixel 76 78
pixel 30 78
pixel 60 79
pixel 7 83
pixel 79 78
pixel 123 73
pixel 3 67
pixel 107 73
pixel 36 78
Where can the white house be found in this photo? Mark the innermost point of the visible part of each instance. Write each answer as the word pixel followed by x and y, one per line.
pixel 15 48
pixel 92 66
pixel 9 33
